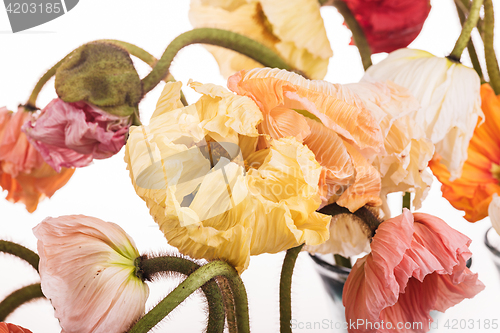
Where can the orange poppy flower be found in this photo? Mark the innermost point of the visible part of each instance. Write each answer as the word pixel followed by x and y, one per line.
pixel 473 191
pixel 23 172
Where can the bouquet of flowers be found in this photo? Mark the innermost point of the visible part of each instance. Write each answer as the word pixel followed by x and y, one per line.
pixel 277 160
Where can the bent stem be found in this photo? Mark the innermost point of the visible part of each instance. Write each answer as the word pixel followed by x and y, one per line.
pixel 464 37
pixel 21 252
pixel 19 297
pixel 227 297
pixel 145 56
pixel 149 268
pixel 195 280
pixel 286 288
pixel 227 39
pixel 489 50
pixel 358 34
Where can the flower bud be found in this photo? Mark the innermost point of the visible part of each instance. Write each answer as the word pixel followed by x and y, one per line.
pixel 103 75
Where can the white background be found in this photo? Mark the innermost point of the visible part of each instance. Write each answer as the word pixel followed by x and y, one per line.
pixel 104 189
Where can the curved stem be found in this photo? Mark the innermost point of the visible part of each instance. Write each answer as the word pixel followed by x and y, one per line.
pixel 31 103
pixel 489 50
pixel 149 268
pixel 227 296
pixel 470 45
pixel 464 7
pixel 143 55
pixel 363 213
pixel 357 33
pixel 19 297
pixel 218 37
pixel 286 288
pixel 464 37
pixel 20 251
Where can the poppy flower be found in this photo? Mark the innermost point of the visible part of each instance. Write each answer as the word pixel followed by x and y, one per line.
pixel 449 94
pixel 415 259
pixel 23 172
pixel 330 120
pixel 292 28
pixel 213 193
pixel 87 271
pixel 473 190
pixel 390 24
pixel 73 134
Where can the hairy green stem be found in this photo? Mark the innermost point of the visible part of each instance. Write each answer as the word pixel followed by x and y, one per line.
pixel 362 213
pixel 218 37
pixel 31 103
pixel 464 37
pixel 18 298
pixel 470 45
pixel 286 288
pixel 20 251
pixel 227 296
pixel 145 56
pixel 489 50
pixel 464 6
pixel 149 268
pixel 407 200
pixel 358 34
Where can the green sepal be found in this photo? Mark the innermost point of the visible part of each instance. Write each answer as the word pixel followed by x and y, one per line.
pixel 101 74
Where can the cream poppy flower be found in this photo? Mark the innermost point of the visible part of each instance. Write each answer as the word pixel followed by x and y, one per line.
pixel 329 120
pixel 407 150
pixel 87 271
pixel 448 93
pixel 292 28
pixel 212 193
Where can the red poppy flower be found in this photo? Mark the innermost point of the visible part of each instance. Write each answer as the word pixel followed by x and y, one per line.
pixel 390 24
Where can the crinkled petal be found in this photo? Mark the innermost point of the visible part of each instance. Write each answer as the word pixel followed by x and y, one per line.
pixel 494 212
pixel 449 96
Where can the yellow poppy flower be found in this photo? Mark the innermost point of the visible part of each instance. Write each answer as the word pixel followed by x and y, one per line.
pixel 212 193
pixel 292 28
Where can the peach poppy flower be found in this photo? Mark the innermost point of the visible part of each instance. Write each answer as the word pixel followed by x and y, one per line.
pixel 473 190
pixel 292 28
pixel 342 133
pixel 23 172
pixel 213 193
pixel 11 328
pixel 87 270
pixel 415 259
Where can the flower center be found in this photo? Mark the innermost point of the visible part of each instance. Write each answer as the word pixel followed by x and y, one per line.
pixel 495 171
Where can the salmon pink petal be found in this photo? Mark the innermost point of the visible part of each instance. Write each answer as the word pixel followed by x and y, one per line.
pixel 415 260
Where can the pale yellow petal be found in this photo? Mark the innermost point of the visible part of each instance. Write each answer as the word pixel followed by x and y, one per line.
pixel 170 98
pixel 349 237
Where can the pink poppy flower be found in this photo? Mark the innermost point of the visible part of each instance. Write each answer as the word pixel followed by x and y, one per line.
pixel 11 328
pixel 73 134
pixel 23 172
pixel 87 271
pixel 417 264
pixel 390 24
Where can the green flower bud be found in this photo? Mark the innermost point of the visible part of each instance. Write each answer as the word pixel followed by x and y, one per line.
pixel 101 74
